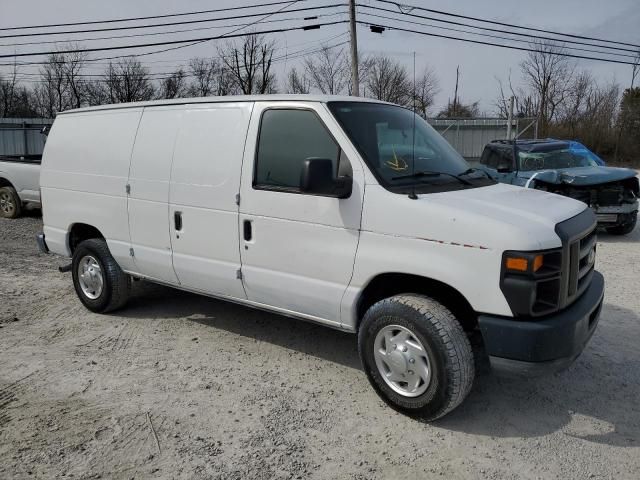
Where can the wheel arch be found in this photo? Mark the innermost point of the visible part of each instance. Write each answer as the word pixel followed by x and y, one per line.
pixel 79 232
pixel 388 284
pixel 5 182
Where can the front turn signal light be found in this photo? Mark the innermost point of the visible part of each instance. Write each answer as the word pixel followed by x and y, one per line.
pixel 537 262
pixel 518 264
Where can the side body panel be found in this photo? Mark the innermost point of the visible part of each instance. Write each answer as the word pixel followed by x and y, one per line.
pixel 25 178
pixel 84 175
pixel 205 179
pixel 454 237
pixel 300 256
pixel 149 192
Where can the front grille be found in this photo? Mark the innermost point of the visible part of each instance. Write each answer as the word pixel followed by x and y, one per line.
pixel 609 196
pixel 581 263
pixel 578 235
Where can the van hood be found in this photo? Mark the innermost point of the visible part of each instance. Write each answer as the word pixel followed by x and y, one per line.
pixel 499 216
pixel 580 176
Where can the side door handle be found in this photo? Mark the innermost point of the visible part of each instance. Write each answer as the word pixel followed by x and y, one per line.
pixel 177 221
pixel 247 230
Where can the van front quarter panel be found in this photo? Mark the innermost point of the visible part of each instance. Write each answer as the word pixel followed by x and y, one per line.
pixel 84 176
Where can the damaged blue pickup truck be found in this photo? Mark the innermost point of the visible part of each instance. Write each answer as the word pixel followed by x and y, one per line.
pixel 559 167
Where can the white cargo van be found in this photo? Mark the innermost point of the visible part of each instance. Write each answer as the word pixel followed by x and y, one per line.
pixel 351 213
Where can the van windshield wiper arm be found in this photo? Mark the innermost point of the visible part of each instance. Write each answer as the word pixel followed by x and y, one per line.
pixel 427 173
pixel 472 170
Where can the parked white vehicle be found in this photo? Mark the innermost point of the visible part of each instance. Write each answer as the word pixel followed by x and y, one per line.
pixel 19 184
pixel 313 207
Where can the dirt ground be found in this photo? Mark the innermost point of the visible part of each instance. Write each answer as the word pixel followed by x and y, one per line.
pixel 182 386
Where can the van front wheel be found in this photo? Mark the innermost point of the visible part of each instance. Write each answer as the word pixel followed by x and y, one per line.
pixel 99 281
pixel 416 355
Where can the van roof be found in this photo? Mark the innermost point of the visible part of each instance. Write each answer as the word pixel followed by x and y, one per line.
pixel 229 98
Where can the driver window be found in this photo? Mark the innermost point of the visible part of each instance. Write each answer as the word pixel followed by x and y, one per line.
pixel 287 138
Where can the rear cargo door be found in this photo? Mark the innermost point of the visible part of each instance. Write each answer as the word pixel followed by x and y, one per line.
pixel 203 210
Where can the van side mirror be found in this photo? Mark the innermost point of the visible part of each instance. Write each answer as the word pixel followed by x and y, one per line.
pixel 317 178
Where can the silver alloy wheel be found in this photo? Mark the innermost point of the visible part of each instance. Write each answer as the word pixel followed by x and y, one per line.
pixel 402 360
pixel 90 277
pixel 7 204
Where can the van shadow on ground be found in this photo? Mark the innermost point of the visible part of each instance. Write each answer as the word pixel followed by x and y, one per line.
pixel 595 400
pixel 155 301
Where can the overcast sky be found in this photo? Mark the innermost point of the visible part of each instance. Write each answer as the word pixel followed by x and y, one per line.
pixel 479 65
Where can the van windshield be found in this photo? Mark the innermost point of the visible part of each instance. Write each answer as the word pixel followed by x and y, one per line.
pixel 384 136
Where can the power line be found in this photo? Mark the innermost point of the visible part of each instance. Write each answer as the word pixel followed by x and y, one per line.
pixel 299 54
pixel 171 42
pixel 97 61
pixel 130 19
pixel 403 7
pixel 480 42
pixel 168 24
pixel 169 32
pixel 493 36
pixel 489 29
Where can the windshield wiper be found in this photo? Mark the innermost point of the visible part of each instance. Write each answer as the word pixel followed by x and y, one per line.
pixel 472 170
pixel 427 173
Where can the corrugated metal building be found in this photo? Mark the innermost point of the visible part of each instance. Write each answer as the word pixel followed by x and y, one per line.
pixel 22 136
pixel 469 135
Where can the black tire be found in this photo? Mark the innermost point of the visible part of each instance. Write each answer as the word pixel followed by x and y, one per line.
pixel 116 283
pixel 625 228
pixel 445 342
pixel 10 203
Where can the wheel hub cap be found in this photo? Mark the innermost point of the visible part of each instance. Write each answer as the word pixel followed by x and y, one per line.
pixel 402 360
pixel 6 203
pixel 90 277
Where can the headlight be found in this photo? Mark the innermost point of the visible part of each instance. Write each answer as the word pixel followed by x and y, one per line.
pixel 531 282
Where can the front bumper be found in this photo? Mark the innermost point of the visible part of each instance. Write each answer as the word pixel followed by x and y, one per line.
pixel 539 346
pixel 616 213
pixel 42 244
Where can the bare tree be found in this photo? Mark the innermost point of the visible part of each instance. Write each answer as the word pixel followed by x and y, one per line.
pixel 8 93
pixel 328 70
pixel 249 64
pixel 388 80
pixel 72 66
pixel 204 73
pixel 297 83
pixel 15 100
pixel 173 86
pixel 52 91
pixel 424 91
pixel 128 81
pixel 547 75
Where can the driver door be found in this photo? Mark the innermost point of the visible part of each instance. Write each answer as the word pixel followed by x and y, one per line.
pixel 297 249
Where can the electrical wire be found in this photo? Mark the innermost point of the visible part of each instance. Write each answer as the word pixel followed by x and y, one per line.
pixel 489 29
pixel 169 32
pixel 131 19
pixel 480 42
pixel 168 24
pixel 494 36
pixel 403 7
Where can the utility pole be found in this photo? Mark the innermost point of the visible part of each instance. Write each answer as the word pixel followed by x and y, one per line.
pixel 455 94
pixel 510 118
pixel 355 80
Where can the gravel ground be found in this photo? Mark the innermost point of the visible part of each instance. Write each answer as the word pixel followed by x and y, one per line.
pixel 182 386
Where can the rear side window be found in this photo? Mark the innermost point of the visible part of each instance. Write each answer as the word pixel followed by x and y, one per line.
pixel 499 158
pixel 287 139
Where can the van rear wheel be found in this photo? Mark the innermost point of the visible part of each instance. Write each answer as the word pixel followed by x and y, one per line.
pixel 416 355
pixel 99 281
